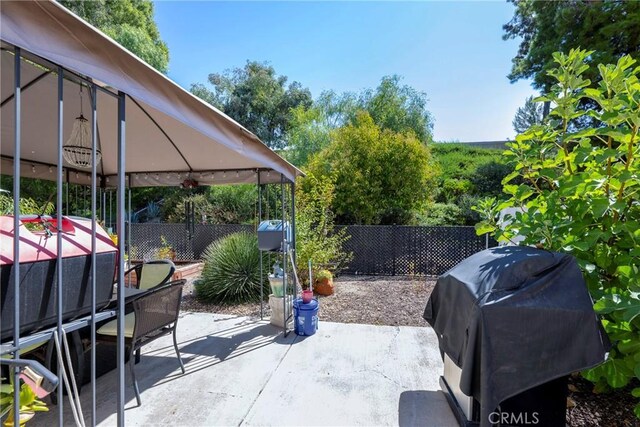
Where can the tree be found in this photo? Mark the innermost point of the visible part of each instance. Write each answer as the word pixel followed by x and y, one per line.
pixel 528 115
pixel 381 176
pixel 579 194
pixel 392 106
pixel 256 97
pixel 308 134
pixel 399 108
pixel 130 23
pixel 609 27
pixel 310 128
pixel 337 109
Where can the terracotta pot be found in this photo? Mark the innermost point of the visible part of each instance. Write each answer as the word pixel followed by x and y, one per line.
pixel 324 287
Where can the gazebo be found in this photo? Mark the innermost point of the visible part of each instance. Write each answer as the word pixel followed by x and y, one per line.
pixel 78 108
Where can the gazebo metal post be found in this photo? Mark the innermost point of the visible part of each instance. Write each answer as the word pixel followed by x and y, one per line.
pixel 16 231
pixel 66 186
pixel 121 243
pixel 110 212
pixel 59 188
pixel 284 257
pixel 293 220
pixel 129 219
pixel 261 267
pixel 94 147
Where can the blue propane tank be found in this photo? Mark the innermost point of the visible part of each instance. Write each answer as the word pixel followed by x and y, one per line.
pixel 305 317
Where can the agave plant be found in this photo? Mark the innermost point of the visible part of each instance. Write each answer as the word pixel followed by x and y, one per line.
pixel 153 211
pixel 231 271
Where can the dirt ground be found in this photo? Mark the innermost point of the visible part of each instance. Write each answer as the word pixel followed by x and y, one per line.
pixel 400 301
pixel 374 300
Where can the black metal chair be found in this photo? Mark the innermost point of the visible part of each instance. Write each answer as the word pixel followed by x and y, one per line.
pixel 155 314
pixel 150 274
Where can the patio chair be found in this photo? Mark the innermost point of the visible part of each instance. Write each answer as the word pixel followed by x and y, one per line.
pixel 155 314
pixel 151 274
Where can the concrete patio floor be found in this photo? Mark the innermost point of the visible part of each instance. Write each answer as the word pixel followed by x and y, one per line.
pixel 245 373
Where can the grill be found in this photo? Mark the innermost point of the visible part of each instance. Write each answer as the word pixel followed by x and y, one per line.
pixel 512 323
pixel 38 271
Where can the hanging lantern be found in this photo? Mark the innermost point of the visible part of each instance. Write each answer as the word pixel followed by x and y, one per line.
pixel 189 183
pixel 77 150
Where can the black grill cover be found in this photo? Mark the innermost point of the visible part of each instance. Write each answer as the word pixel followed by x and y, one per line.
pixel 512 318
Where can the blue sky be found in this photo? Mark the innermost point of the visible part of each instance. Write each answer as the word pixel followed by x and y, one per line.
pixel 453 51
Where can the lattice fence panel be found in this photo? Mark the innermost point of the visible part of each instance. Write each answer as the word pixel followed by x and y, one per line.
pixel 146 239
pixel 372 249
pixel 385 250
pixel 405 250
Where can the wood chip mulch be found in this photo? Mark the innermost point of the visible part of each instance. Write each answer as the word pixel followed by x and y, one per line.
pixel 400 301
pixel 377 300
pixel 586 409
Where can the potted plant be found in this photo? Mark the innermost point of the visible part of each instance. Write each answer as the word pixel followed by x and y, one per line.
pixel 323 283
pixel 166 251
pixel 29 403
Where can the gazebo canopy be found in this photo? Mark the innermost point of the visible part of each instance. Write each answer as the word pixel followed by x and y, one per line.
pixel 171 135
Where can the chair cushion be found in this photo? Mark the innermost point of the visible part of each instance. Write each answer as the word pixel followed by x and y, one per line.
pixel 153 274
pixel 111 328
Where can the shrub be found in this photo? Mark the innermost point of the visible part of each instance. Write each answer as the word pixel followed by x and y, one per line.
pixel 202 209
pixel 468 170
pixel 224 204
pixel 580 195
pixel 27 206
pixel 381 176
pixel 488 177
pixel 323 274
pixel 231 272
pixel 453 189
pixel 166 251
pixel 233 204
pixel 440 214
pixel 468 215
pixel 316 237
pixel 460 161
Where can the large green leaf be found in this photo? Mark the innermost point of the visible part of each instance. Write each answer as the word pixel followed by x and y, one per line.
pixel 616 373
pixel 582 196
pixel 631 310
pixel 607 304
pixel 484 227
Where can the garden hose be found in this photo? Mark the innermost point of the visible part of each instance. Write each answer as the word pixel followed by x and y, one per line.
pixel 76 394
pixel 295 272
pixel 79 419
